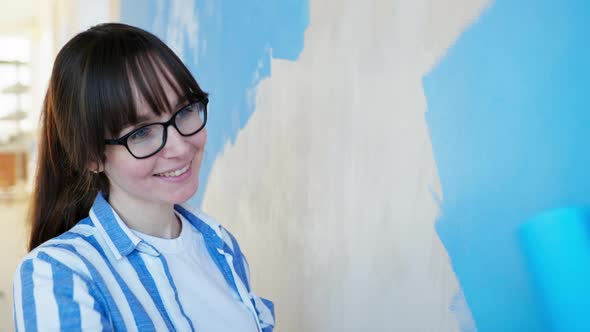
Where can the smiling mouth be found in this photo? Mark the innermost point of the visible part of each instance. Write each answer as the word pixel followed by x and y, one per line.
pixel 175 173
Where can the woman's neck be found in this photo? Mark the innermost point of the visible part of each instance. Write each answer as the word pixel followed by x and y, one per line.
pixel 150 218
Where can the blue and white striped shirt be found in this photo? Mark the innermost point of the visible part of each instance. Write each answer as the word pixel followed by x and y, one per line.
pixel 100 276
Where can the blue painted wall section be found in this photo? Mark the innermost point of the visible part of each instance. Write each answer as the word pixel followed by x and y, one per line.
pixel 509 118
pixel 237 40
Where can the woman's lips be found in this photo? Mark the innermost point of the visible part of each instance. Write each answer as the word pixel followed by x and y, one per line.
pixel 179 178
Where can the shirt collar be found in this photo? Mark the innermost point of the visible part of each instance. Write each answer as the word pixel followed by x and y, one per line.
pixel 122 241
pixel 209 228
pixel 118 236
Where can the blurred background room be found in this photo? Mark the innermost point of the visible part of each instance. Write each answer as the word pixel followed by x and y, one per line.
pixel 31 34
pixel 407 165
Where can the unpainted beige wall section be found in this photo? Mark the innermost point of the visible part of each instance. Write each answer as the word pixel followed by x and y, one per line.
pixel 327 187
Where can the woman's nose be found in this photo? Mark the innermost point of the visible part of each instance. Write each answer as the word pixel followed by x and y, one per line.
pixel 176 144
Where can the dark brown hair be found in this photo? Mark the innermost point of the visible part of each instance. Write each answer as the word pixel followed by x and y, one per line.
pixel 91 94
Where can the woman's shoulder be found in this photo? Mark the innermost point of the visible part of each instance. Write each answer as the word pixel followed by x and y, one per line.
pixel 67 251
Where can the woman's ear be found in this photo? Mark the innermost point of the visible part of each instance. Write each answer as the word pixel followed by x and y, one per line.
pixel 95 167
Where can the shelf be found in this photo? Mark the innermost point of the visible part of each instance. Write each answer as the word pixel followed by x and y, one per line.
pixel 13 63
pixel 14 116
pixel 17 88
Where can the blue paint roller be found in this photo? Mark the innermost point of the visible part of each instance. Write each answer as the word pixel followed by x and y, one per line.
pixel 556 245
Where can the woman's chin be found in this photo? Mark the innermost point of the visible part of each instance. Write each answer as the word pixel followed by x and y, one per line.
pixel 184 194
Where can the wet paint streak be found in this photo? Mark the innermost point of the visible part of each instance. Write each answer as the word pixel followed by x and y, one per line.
pixel 508 116
pixel 235 43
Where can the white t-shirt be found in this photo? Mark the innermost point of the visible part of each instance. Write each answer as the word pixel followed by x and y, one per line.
pixel 207 299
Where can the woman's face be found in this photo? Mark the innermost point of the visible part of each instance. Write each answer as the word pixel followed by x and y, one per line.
pixel 144 180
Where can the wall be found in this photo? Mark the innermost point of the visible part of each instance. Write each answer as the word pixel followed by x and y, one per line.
pixel 508 116
pixel 319 157
pixel 342 131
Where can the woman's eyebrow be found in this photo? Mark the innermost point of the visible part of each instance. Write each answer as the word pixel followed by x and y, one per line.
pixel 145 118
pixel 180 103
pixel 141 118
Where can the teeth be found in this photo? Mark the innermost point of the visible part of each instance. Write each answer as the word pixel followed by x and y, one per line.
pixel 178 172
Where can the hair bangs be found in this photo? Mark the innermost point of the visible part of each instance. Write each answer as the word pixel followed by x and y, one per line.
pixel 147 77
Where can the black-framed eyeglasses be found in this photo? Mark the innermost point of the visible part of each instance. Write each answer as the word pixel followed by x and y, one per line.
pixel 148 140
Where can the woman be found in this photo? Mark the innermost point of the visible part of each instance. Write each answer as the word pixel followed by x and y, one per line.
pixel 112 248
